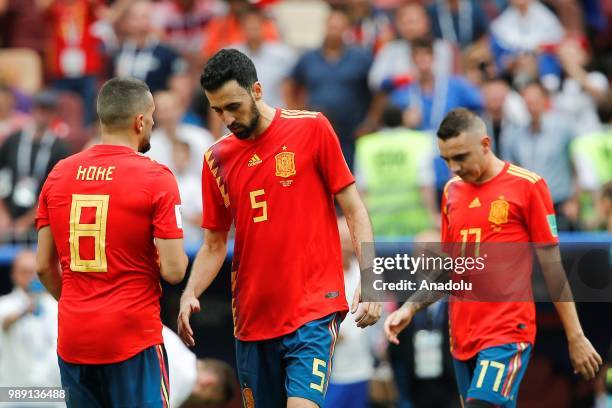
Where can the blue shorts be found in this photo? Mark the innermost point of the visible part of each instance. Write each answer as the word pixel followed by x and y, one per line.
pixel 297 364
pixel 140 381
pixel 494 374
pixel 350 395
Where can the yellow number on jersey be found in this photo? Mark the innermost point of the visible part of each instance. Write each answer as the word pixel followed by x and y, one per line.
pixel 477 233
pixel 97 230
pixel 259 204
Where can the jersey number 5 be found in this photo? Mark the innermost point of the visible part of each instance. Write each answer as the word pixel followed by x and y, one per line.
pixel 259 204
pixel 95 231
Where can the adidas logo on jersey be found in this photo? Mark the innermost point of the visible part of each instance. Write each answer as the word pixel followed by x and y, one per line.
pixel 254 161
pixel 475 203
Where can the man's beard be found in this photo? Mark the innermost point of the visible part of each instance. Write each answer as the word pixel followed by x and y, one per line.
pixel 145 145
pixel 247 131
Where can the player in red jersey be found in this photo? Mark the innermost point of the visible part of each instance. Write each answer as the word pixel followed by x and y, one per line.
pixel 110 216
pixel 494 201
pixel 275 177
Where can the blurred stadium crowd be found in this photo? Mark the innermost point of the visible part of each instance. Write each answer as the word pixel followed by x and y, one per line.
pixel 385 72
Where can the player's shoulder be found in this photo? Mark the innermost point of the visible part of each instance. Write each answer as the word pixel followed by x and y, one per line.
pixel 300 116
pixel 522 174
pixel 455 180
pixel 223 143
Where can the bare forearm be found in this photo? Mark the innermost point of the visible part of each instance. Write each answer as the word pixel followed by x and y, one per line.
pixel 360 227
pixel 569 319
pixel 206 266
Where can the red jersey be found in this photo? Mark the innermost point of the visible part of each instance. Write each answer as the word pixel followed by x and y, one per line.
pixel 278 190
pixel 105 205
pixel 513 207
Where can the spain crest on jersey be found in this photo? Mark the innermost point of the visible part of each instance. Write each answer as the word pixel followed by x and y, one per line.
pixel 499 211
pixel 285 164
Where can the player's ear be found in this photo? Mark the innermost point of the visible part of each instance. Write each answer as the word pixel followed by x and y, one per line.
pixel 485 142
pixel 139 123
pixel 257 91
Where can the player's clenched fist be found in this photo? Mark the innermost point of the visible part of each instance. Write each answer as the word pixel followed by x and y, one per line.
pixel 189 305
pixel 398 321
pixel 583 356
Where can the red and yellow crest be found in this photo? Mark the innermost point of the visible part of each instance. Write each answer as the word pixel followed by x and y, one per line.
pixel 499 211
pixel 285 164
pixel 247 398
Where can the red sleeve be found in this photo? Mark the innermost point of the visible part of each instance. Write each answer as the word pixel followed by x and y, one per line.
pixel 166 206
pixel 332 164
pixel 42 211
pixel 541 222
pixel 216 215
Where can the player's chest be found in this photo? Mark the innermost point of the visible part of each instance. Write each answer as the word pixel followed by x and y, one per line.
pixel 281 165
pixel 487 214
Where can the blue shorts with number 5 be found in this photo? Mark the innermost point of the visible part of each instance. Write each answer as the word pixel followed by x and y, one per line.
pixel 494 374
pixel 295 365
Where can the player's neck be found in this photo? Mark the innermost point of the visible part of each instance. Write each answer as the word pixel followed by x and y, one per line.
pixel 119 140
pixel 493 168
pixel 267 115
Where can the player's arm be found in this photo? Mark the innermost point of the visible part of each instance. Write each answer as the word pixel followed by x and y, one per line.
pixel 206 266
pixel 583 356
pixel 47 265
pixel 360 228
pixel 172 258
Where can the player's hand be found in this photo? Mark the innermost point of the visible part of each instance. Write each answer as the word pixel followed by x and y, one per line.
pixel 583 356
pixel 398 321
pixel 366 313
pixel 189 304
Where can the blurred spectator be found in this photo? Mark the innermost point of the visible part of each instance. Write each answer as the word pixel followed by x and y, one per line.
pixel 168 114
pixel 225 30
pixel 592 156
pixel 183 24
pixel 395 58
pixel 478 65
pixel 460 22
pixel 580 89
pixel 11 120
pixel 543 146
pixel 502 106
pixel 196 382
pixel 394 173
pixel 273 60
pixel 141 55
pixel 334 78
pixel 186 88
pixel 74 55
pixel 526 26
pixel 28 320
pixel 371 27
pixel 429 95
pixel 17 20
pixel 190 189
pixel 353 361
pixel 26 158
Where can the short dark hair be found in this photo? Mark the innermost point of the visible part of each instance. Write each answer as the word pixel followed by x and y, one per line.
pixel 391 116
pixel 119 100
pixel 422 43
pixel 227 65
pixel 535 83
pixel 457 121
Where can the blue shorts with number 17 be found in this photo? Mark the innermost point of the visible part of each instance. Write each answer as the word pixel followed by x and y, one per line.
pixel 494 374
pixel 295 365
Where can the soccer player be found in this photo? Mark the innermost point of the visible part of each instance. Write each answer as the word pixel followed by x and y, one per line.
pixel 110 215
pixel 494 201
pixel 275 177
